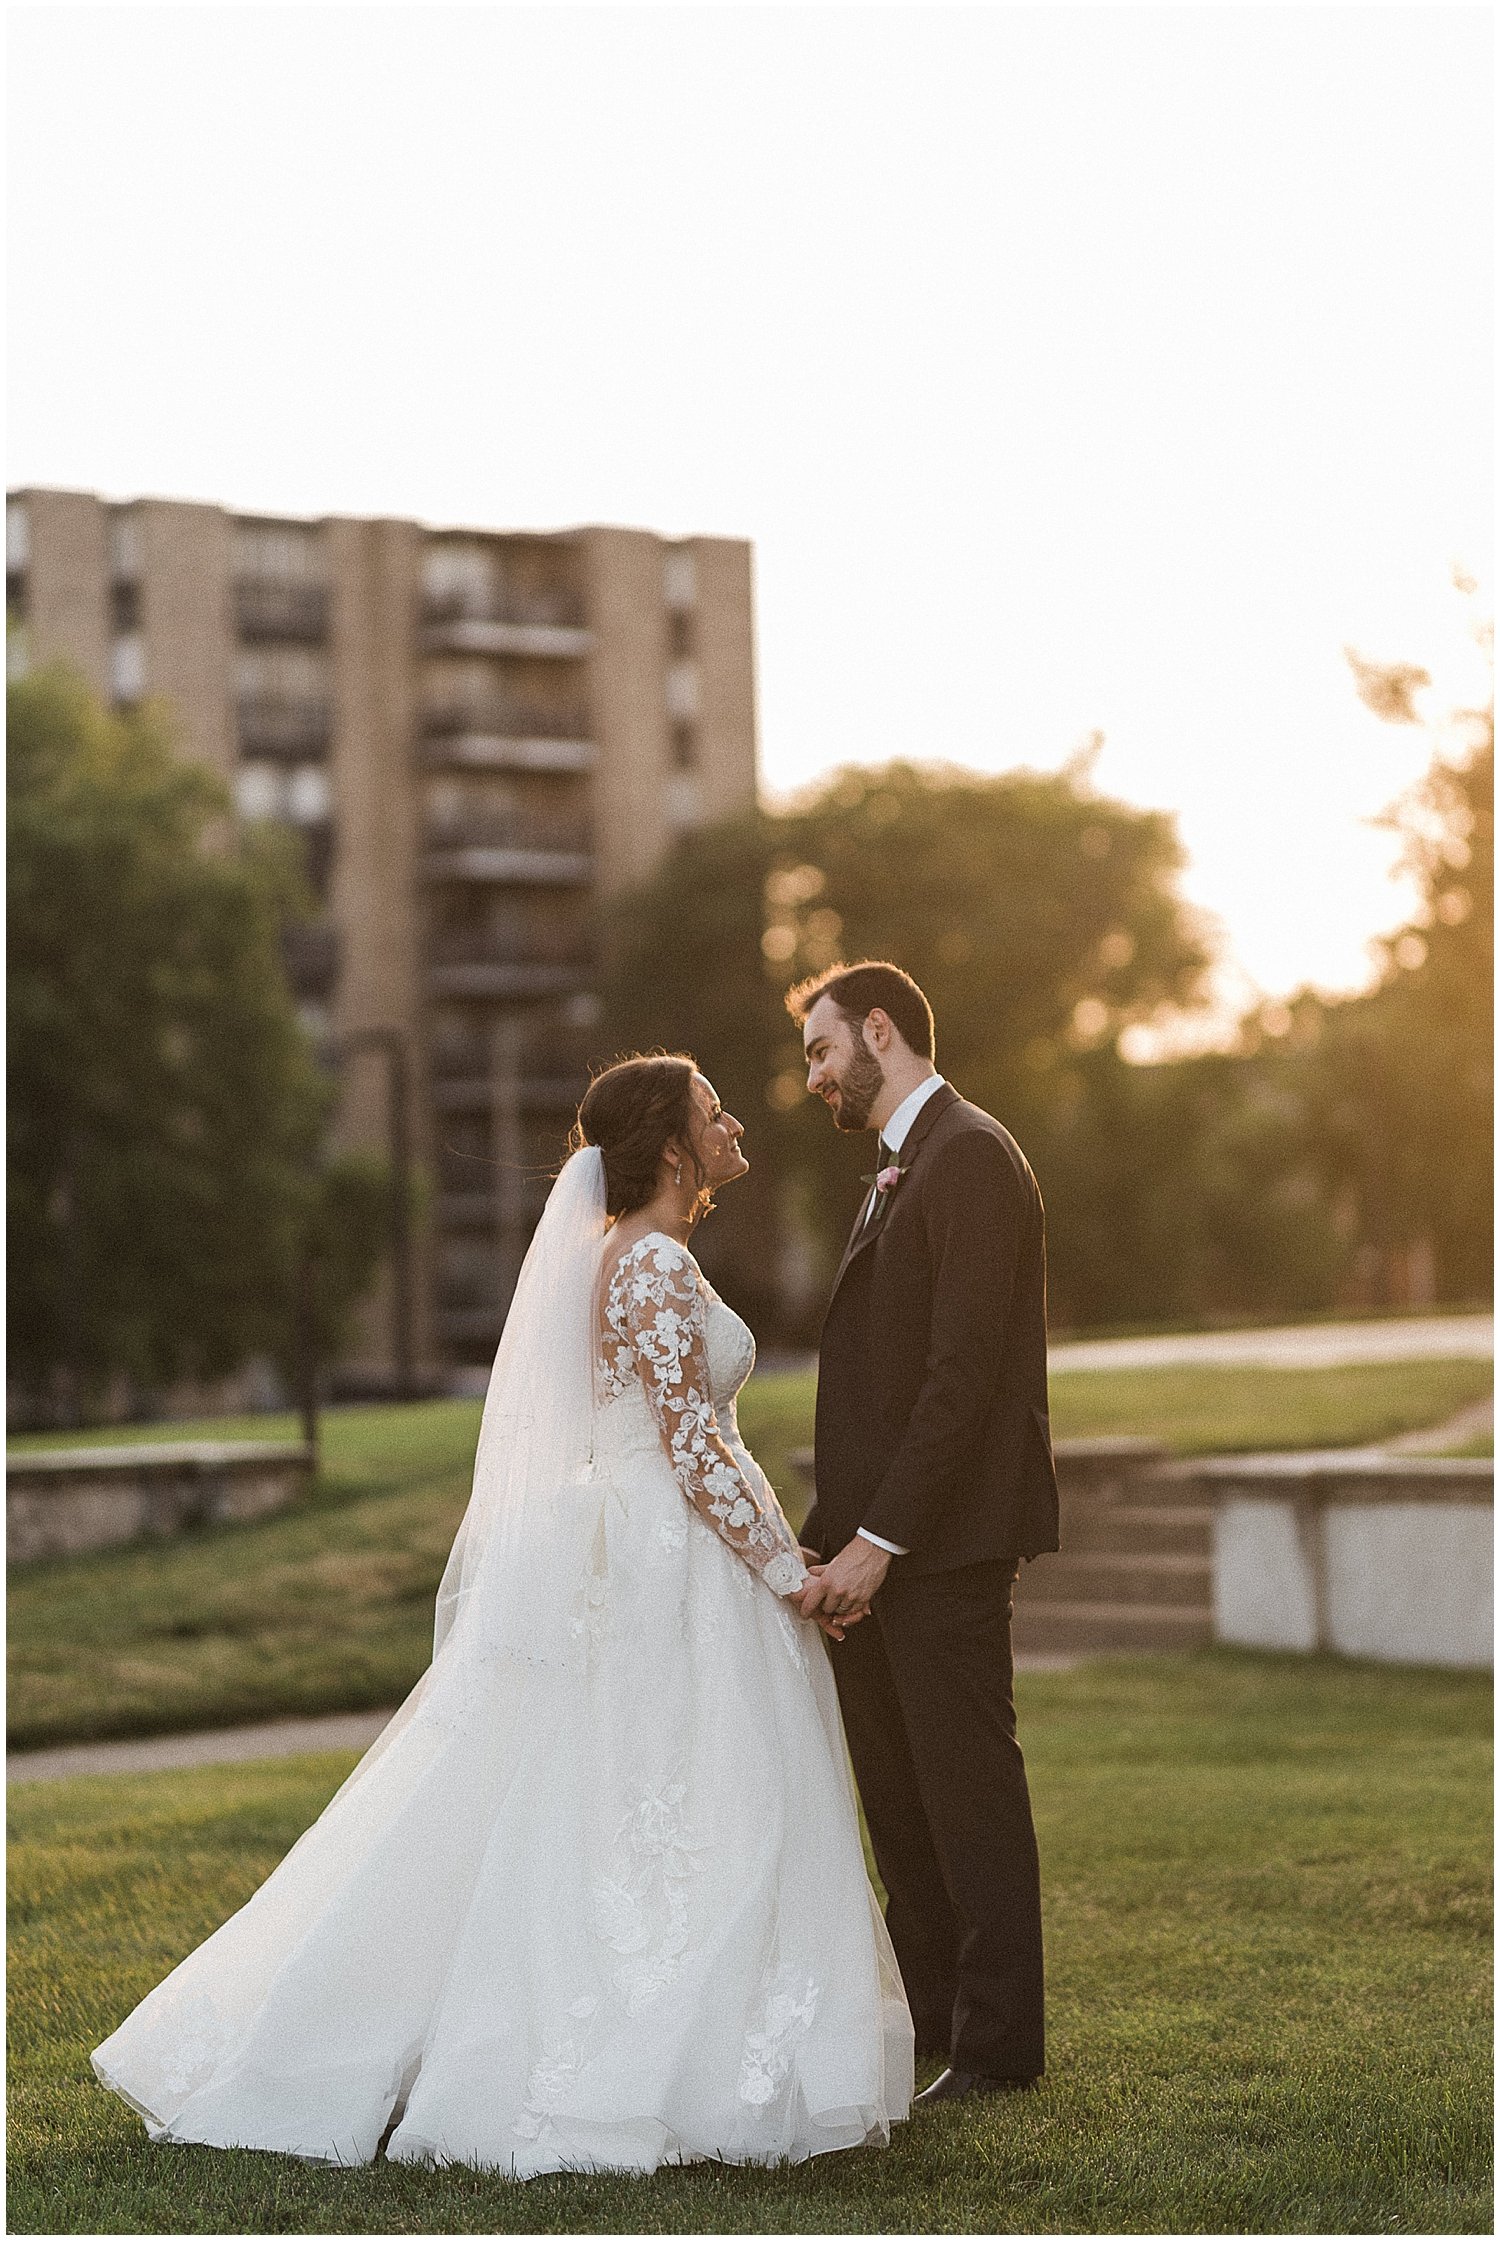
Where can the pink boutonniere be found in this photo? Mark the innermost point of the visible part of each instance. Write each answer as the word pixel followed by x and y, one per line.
pixel 885 1182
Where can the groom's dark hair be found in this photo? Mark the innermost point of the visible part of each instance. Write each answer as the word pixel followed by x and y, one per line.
pixel 857 989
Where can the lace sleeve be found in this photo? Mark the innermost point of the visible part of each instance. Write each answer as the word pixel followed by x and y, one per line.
pixel 658 1307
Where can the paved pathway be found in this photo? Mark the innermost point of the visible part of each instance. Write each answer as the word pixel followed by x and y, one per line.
pixel 158 1754
pixel 1440 1439
pixel 1308 1346
pixel 276 1739
pixel 1297 1346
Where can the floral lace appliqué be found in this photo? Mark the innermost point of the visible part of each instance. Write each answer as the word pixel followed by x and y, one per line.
pixel 197 2043
pixel 789 2011
pixel 640 1906
pixel 654 1314
pixel 546 2084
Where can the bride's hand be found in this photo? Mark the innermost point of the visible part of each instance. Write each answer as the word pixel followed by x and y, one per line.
pixel 835 1628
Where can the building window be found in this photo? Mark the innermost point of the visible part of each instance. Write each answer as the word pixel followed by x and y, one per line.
pixel 459 578
pixel 680 633
pixel 258 789
pixel 282 552
pixel 308 798
pixel 127 669
pixel 124 545
pixel 296 792
pixel 679 576
pixel 17 537
pixel 682 692
pixel 17 560
pixel 125 606
pixel 281 673
pixel 684 747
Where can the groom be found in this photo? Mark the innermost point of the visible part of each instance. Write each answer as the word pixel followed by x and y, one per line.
pixel 934 1478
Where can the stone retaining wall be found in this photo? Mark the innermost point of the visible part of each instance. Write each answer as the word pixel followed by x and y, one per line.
pixel 1356 1551
pixel 63 1501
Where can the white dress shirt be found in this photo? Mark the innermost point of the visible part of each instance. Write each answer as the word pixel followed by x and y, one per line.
pixel 894 1135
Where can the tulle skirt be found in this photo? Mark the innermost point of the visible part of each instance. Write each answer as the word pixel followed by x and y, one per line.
pixel 601 1912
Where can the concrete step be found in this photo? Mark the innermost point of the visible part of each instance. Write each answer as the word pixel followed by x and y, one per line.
pixel 1052 1629
pixel 1115 1578
pixel 1132 1531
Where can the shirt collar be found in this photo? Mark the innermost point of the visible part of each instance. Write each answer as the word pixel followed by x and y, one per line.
pixel 897 1127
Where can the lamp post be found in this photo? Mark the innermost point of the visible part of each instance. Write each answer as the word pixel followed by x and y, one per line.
pixel 307 1346
pixel 391 1043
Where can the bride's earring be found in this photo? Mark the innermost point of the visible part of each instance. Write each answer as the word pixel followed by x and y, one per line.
pixel 679 1171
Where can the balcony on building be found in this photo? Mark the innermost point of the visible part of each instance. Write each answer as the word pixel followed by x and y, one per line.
pixel 469 1203
pixel 466 621
pixel 285 610
pixel 523 851
pixel 550 1075
pixel 470 1293
pixel 491 966
pixel 498 750
pixel 511 720
pixel 282 726
pixel 474 1175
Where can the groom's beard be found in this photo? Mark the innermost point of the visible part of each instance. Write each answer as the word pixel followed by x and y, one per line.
pixel 858 1089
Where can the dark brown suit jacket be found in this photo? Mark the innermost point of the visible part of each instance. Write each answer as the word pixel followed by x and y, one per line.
pixel 932 1425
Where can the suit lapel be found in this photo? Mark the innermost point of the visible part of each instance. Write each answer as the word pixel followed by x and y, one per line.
pixel 863 1233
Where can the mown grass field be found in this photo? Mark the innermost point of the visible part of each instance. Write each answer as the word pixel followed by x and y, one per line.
pixel 1267 1890
pixel 328 1607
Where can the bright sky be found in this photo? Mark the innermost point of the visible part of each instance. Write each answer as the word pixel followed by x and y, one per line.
pixel 1072 369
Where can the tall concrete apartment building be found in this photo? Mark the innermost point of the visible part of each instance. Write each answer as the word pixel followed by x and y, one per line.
pixel 483 736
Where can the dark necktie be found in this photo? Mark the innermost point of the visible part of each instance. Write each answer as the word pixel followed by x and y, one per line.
pixel 883 1158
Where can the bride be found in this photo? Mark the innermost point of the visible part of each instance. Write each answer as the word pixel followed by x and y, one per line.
pixel 595 1898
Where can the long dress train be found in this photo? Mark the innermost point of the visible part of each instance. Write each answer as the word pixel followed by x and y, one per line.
pixel 604 1911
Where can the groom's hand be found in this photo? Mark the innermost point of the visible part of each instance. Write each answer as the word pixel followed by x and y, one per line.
pixel 847 1583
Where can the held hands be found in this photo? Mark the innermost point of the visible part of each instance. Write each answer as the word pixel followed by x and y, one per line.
pixel 833 1627
pixel 840 1590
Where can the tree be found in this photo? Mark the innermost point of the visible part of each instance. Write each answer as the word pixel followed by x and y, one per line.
pixel 685 971
pixel 1040 917
pixel 1342 1152
pixel 166 1110
pixel 1188 1190
pixel 1406 1073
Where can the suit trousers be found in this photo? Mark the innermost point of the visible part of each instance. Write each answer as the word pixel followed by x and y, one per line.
pixel 926 1689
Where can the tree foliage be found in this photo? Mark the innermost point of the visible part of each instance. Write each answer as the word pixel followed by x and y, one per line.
pixel 1340 1155
pixel 1402 1079
pixel 1040 917
pixel 166 1110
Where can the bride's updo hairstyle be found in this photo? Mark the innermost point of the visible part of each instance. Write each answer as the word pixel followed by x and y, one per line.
pixel 630 1111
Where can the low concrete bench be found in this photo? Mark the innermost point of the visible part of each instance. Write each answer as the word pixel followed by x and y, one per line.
pixel 1357 1551
pixel 62 1501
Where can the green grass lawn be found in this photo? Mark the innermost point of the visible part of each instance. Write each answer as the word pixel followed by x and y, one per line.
pixel 1267 1890
pixel 1237 1410
pixel 328 1607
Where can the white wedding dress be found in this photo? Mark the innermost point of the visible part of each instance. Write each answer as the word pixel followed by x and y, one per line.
pixel 596 1898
